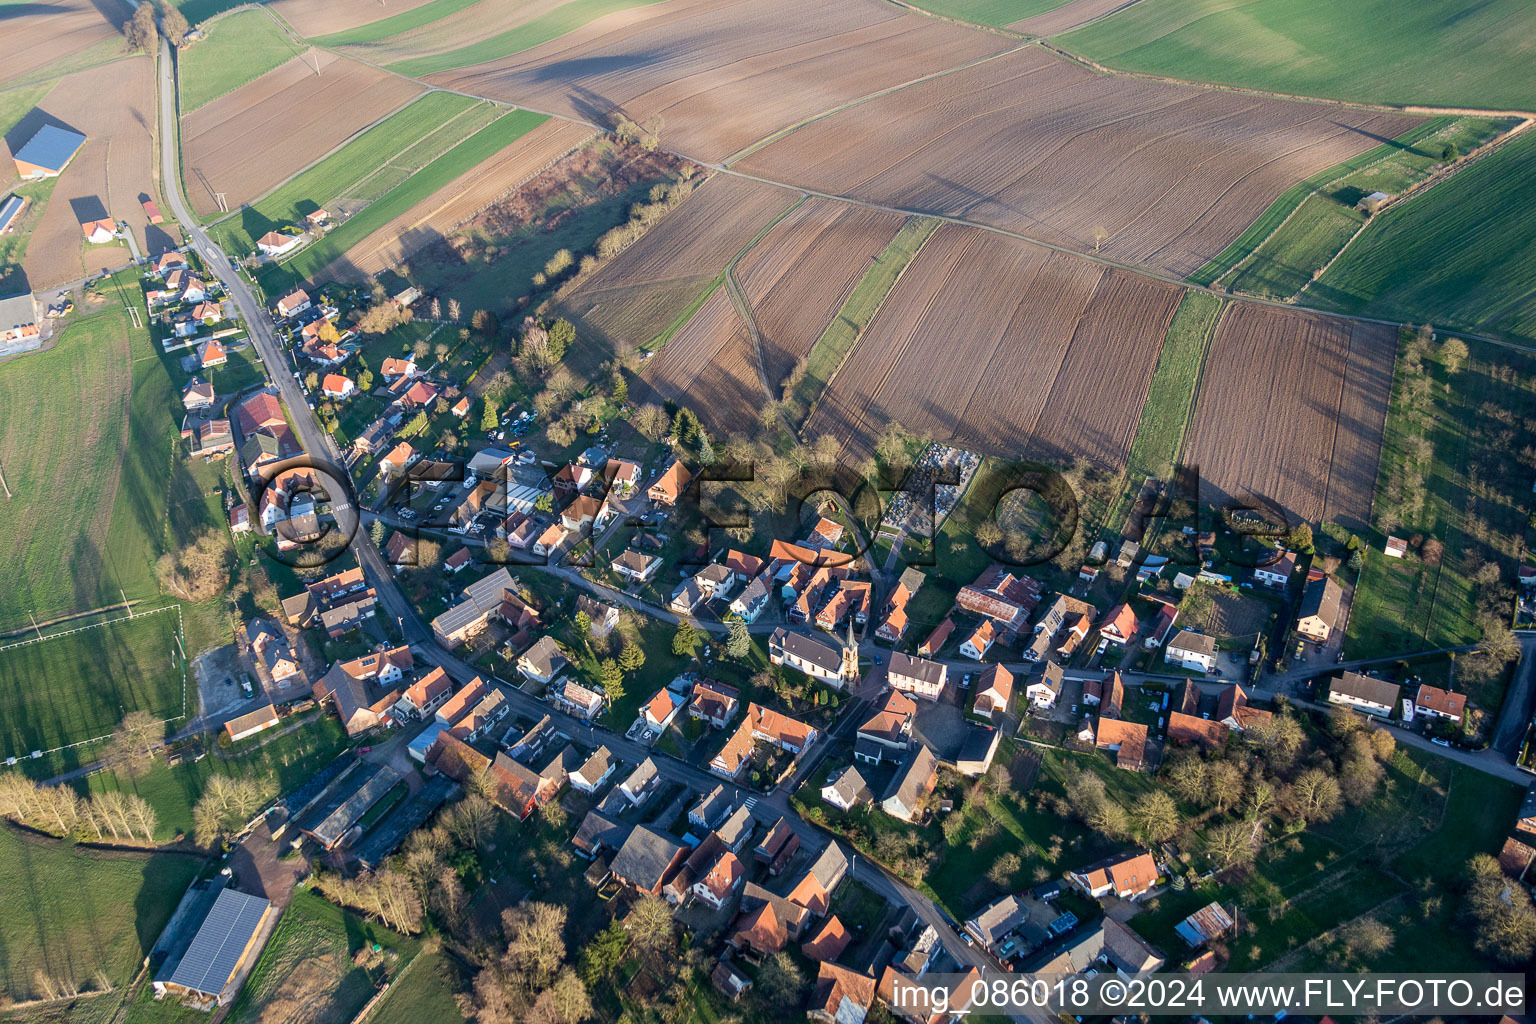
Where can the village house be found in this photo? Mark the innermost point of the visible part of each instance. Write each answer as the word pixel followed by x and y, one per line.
pixel 1319 612
pixel 886 735
pixel 336 386
pixel 464 701
pixel 713 702
pixel 980 642
pixel 670 485
pixel 636 566
pixel 393 369
pixel 917 676
pixel 293 303
pixel 893 623
pixel 661 709
pixel 604 617
pixel 1364 693
pixel 1064 613
pixel 1127 740
pixel 936 640
pixel 594 771
pixel 751 602
pixel 1191 650
pixel 274 244
pixel 846 790
pixel 426 694
pixel 994 691
pixel 621 476
pixel 1044 692
pixel 911 786
pixel 766 725
pixel 251 723
pixel 1000 595
pixel 1277 574
pixel 198 394
pixel 578 701
pixel 1119 626
pixel 1127 875
pixel 275 662
pixel 543 662
pixel 1431 700
pixel 478 602
pixel 641 782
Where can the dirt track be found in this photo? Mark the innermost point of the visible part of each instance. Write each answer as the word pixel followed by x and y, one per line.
pixel 249 141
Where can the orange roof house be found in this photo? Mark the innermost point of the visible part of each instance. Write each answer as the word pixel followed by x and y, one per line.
pixel 1127 739
pixel 828 943
pixel 99 232
pixel 761 930
pixel 1184 728
pixel 671 484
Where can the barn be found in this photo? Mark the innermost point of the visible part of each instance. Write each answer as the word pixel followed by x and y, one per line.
pixel 47 153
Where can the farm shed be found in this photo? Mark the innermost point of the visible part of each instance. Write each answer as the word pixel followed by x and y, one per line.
pixel 1209 922
pixel 331 817
pixel 225 940
pixel 47 153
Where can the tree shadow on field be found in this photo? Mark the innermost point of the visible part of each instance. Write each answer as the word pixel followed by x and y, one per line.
pixel 1382 139
pixel 588 103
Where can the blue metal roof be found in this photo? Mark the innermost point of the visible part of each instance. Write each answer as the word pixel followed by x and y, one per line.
pixel 9 210
pixel 219 943
pixel 51 147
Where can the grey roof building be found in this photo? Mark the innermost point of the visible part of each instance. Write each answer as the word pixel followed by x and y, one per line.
pixel 224 941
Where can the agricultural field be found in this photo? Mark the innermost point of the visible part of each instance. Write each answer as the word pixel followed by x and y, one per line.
pixel 362 170
pixel 113 106
pixel 708 365
pixel 40 39
pixel 247 141
pixel 1290 412
pixel 719 77
pixel 306 974
pixel 239 48
pixel 463 157
pixel 1036 17
pixel 75 917
pixel 1439 52
pixel 1066 16
pixel 1458 254
pixel 1311 222
pixel 648 288
pixel 456 202
pixel 425 995
pixel 76 682
pixel 321 18
pixel 1031 143
pixel 465 32
pixel 1007 348
pixel 800 274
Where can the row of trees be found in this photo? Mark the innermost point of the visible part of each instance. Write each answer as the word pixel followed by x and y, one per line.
pixel 112 816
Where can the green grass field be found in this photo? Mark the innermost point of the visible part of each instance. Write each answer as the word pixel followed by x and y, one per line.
pixel 368 166
pixel 482 145
pixel 239 49
pixel 424 995
pixel 1460 254
pixel 1325 219
pixel 405 21
pixel 77 685
pixel 990 12
pixel 1438 52
pixel 308 962
pixel 77 916
pixel 566 18
pixel 863 302
pixel 1171 394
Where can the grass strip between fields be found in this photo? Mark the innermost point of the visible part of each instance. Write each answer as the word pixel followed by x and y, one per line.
pixel 1293 197
pixel 405 21
pixel 479 147
pixel 238 49
pixel 863 303
pixel 556 23
pixel 997 13
pixel 343 170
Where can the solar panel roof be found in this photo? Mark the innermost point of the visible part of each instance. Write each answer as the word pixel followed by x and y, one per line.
pixel 219 942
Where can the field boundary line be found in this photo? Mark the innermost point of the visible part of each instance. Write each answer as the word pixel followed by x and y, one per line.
pixel 999 30
pixel 391 163
pixel 857 100
pixel 1390 108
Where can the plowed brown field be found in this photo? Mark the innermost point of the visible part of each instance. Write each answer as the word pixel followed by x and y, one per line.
pixel 1066 16
pixel 1008 348
pixel 1144 172
pixel 1291 411
pixel 709 366
pixel 468 194
pixel 39 35
pixel 114 106
pixel 311 18
pixel 725 73
pixel 800 273
pixel 249 141
pixel 647 286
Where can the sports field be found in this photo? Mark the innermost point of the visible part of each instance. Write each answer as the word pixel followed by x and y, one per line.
pixel 482 145
pixel 362 170
pixel 1459 255
pixel 76 917
pixel 76 683
pixel 1434 52
pixel 239 49
pixel 567 17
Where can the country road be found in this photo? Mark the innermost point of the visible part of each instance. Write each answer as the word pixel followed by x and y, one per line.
pixel 317 441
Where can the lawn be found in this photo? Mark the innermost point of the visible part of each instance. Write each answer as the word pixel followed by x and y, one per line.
pixel 308 964
pixel 424 995
pixel 1160 434
pixel 863 302
pixel 74 916
pixel 374 162
pixel 552 25
pixel 405 21
pixel 85 436
pixel 77 685
pixel 238 49
pixel 1459 254
pixel 1438 52
pixel 482 145
pixel 990 12
pixel 287 760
